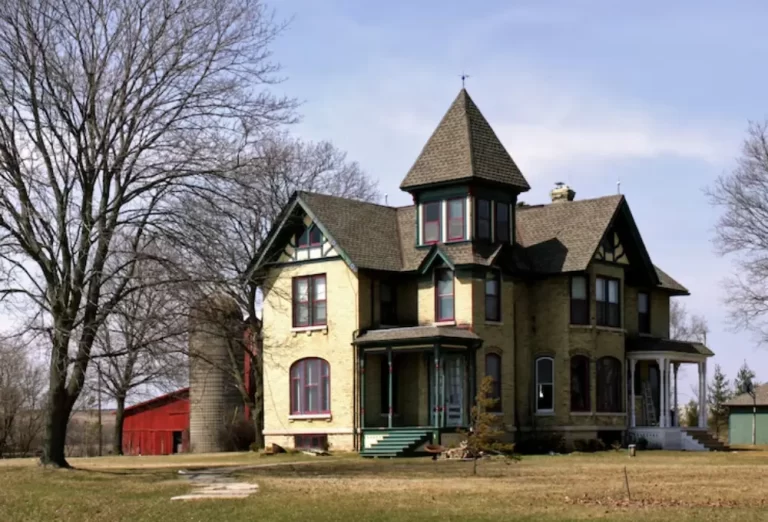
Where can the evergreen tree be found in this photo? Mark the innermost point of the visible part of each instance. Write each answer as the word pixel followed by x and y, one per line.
pixel 718 393
pixel 744 378
pixel 487 427
pixel 691 414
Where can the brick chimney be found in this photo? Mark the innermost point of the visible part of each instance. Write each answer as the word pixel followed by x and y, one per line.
pixel 562 193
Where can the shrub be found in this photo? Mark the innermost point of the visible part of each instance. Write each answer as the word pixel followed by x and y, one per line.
pixel 642 443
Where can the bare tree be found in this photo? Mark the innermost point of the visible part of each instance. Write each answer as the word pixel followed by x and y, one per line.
pixel 221 230
pixel 20 400
pixel 141 347
pixel 110 111
pixel 742 231
pixel 685 327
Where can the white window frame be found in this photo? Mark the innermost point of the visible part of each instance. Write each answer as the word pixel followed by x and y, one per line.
pixel 552 362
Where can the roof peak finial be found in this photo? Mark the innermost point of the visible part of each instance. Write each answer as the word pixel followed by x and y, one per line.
pixel 464 77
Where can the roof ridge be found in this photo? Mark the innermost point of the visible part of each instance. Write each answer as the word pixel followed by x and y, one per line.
pixel 565 204
pixel 351 200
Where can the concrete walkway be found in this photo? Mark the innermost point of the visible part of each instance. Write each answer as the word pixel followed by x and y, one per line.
pixel 216 483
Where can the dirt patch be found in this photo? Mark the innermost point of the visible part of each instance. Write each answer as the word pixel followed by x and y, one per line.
pixel 650 503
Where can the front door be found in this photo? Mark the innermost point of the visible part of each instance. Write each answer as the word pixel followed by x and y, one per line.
pixel 454 390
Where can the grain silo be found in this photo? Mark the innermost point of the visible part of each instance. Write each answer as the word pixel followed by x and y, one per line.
pixel 215 357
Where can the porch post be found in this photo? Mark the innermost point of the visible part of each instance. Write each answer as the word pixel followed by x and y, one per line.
pixel 389 363
pixel 435 395
pixel 441 372
pixel 662 392
pixel 676 410
pixel 703 394
pixel 632 401
pixel 361 356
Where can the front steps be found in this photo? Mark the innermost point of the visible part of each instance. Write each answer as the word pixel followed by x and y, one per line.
pixel 707 440
pixel 397 443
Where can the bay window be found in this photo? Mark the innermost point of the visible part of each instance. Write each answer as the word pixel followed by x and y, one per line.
pixel 483 219
pixel 431 228
pixel 502 222
pixel 456 218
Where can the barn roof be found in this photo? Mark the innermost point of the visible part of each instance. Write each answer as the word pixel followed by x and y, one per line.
pixel 183 393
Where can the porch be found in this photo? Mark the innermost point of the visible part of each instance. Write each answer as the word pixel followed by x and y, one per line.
pixel 652 383
pixel 415 384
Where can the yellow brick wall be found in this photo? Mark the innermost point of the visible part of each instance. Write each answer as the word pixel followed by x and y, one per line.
pixel 498 338
pixel 462 298
pixel 282 347
pixel 544 329
pixel 660 314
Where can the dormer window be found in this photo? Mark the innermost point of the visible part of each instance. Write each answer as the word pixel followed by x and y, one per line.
pixel 483 219
pixel 455 219
pixel 502 222
pixel 431 228
pixel 311 237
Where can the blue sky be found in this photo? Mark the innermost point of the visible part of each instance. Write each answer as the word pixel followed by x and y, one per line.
pixel 656 94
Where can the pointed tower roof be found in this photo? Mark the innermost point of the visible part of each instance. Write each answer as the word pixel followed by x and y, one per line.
pixel 464 147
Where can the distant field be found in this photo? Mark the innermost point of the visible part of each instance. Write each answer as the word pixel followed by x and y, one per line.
pixel 664 486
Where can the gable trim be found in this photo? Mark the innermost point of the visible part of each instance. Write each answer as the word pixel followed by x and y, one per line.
pixel 435 253
pixel 280 225
pixel 623 209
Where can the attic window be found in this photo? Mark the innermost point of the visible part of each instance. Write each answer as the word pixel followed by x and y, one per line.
pixel 311 237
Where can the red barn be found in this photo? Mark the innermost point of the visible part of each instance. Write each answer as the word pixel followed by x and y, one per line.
pixel 159 426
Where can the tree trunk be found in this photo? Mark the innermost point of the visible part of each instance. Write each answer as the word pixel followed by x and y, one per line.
pixel 257 417
pixel 117 447
pixel 56 421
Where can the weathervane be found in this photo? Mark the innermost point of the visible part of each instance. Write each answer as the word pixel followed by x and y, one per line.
pixel 464 77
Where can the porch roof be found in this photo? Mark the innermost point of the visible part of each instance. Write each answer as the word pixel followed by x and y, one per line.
pixel 418 335
pixel 639 345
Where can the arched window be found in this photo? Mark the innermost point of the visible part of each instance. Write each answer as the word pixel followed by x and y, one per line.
pixel 545 385
pixel 310 387
pixel 580 383
pixel 493 370
pixel 609 385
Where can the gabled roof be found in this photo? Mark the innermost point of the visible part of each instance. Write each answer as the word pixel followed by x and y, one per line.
pixel 464 147
pixel 745 399
pixel 552 239
pixel 366 232
pixel 563 237
pixel 154 402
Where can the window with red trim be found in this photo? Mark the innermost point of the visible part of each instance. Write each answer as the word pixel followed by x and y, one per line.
pixel 483 219
pixel 431 228
pixel 455 219
pixel 444 294
pixel 309 301
pixel 311 237
pixel 502 222
pixel 493 370
pixel 310 387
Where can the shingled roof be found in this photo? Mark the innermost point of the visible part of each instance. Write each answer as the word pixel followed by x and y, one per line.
pixel 563 237
pixel 375 245
pixel 464 147
pixel 745 399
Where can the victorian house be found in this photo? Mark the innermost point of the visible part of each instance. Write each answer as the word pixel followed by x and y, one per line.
pixel 380 321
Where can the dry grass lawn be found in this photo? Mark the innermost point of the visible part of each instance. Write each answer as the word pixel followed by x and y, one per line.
pixel 664 486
